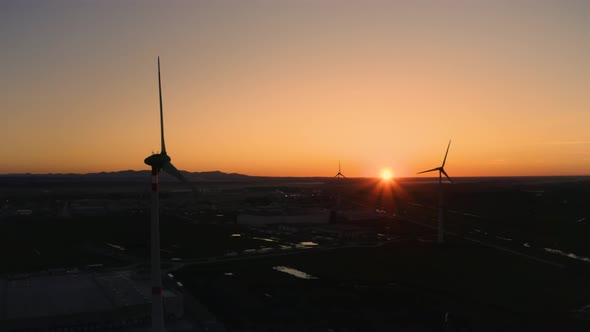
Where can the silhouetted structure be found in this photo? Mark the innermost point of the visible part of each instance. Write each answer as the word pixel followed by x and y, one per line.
pixel 339 175
pixel 441 171
pixel 159 161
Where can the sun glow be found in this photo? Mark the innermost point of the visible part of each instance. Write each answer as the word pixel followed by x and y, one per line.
pixel 386 175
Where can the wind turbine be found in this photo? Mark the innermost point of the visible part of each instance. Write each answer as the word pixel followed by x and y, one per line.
pixel 339 174
pixel 158 161
pixel 441 171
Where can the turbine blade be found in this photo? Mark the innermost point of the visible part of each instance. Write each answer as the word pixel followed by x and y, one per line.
pixel 163 148
pixel 170 169
pixel 445 173
pixel 430 170
pixel 446 153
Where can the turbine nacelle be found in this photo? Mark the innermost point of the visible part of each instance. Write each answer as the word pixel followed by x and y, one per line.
pixel 158 160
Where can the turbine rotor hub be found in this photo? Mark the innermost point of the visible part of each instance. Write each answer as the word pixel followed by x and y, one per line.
pixel 157 160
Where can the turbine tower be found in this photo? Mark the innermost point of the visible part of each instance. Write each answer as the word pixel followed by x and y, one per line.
pixel 339 174
pixel 158 161
pixel 441 171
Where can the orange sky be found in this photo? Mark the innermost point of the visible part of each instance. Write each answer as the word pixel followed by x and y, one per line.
pixel 288 88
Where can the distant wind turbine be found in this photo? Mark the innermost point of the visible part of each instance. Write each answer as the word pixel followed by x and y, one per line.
pixel 441 171
pixel 158 161
pixel 339 174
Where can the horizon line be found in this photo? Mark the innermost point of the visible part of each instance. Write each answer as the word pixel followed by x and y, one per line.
pixel 294 176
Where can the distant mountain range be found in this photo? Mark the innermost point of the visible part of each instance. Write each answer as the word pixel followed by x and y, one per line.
pixel 131 176
pixel 127 176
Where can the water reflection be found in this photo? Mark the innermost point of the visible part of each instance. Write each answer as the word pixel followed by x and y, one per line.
pixel 308 243
pixel 294 272
pixel 263 239
pixel 567 254
pixel 121 248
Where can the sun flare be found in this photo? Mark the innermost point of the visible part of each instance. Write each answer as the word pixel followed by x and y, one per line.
pixel 386 175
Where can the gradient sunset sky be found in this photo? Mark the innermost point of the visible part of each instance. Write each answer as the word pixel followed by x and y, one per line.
pixel 288 88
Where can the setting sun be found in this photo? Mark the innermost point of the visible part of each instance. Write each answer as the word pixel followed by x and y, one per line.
pixel 386 174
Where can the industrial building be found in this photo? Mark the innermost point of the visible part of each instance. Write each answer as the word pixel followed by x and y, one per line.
pixel 80 302
pixel 293 216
